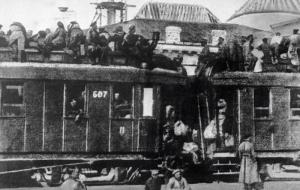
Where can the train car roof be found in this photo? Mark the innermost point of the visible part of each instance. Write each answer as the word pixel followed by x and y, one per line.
pixel 256 79
pixel 84 72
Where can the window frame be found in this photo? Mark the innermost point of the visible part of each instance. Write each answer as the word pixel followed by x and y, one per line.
pixel 132 102
pixel 21 106
pixel 269 108
pixel 291 116
pixel 66 113
pixel 153 102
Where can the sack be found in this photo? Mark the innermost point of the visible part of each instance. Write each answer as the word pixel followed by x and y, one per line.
pixel 190 147
pixel 210 131
pixel 258 66
pixel 180 129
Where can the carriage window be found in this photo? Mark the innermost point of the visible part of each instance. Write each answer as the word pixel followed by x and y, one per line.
pixel 12 99
pixel 75 100
pixel 148 102
pixel 295 102
pixel 261 103
pixel 122 101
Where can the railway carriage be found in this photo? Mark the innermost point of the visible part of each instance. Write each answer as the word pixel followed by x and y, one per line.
pixel 55 115
pixel 265 105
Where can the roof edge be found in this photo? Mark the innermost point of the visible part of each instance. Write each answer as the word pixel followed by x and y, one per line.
pixel 258 12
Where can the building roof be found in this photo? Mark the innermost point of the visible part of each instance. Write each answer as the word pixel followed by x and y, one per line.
pixel 268 6
pixel 285 23
pixel 191 32
pixel 261 14
pixel 176 12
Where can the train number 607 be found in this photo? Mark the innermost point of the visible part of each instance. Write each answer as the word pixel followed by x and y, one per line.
pixel 100 94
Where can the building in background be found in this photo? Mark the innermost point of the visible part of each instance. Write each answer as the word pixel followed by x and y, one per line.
pixel 182 27
pixel 264 14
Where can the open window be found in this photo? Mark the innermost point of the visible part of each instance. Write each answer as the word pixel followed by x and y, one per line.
pixel 12 102
pixel 75 99
pixel 148 102
pixel 262 106
pixel 122 101
pixel 295 103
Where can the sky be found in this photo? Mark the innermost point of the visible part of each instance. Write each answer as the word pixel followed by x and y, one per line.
pixel 40 14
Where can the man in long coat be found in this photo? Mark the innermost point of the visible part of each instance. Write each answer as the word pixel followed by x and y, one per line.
pixel 249 175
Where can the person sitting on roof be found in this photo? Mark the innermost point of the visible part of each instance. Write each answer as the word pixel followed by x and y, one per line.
pixel 75 39
pixel 249 60
pixel 223 52
pixel 265 47
pixel 3 38
pixel 17 40
pixel 235 53
pixel 104 37
pixel 294 48
pixel 130 40
pixel 93 41
pixel 117 38
pixel 59 37
pixel 275 43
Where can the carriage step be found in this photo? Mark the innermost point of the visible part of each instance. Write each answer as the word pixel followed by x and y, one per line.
pixel 225 173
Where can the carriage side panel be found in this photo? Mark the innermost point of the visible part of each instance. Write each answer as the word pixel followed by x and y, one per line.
pixel 12 134
pixel 33 98
pixel 53 116
pixel 75 135
pixel 122 135
pixel 98 111
pixel 281 126
pixel 246 111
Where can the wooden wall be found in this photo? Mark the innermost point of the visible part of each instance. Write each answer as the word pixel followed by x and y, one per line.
pixel 279 131
pixel 45 128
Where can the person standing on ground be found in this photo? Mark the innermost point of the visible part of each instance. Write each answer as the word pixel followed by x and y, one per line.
pixel 178 182
pixel 249 175
pixel 153 183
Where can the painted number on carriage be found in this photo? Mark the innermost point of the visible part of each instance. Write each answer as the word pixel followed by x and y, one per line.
pixel 100 94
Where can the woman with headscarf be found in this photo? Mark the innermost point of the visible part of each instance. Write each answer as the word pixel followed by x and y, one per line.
pixel 75 38
pixel 249 174
pixel 59 37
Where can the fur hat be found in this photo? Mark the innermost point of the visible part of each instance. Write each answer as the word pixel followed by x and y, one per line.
pixel 176 171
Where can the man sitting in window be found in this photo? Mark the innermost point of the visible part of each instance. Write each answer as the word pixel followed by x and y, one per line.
pixel 122 107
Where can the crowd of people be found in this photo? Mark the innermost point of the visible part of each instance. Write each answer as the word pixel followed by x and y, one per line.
pixel 244 54
pixel 73 40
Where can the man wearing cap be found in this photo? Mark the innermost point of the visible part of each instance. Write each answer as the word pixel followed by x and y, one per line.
pixel 177 182
pixel 153 183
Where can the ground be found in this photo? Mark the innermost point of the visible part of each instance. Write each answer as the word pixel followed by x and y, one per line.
pixel 289 185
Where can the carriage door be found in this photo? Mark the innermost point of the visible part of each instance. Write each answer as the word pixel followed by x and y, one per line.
pixel 98 110
pixel 148 122
pixel 122 118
